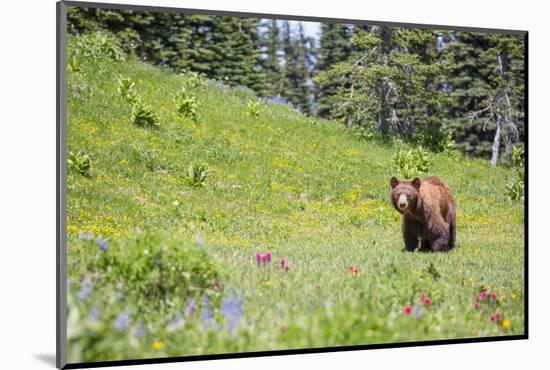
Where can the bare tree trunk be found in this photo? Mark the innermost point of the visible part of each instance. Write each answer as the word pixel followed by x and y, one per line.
pixel 496 146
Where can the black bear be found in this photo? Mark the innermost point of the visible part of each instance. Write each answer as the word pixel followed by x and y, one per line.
pixel 428 213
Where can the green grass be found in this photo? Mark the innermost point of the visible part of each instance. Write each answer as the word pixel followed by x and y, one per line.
pixel 313 194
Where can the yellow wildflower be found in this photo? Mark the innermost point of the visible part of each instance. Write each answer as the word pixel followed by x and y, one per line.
pixel 267 283
pixel 505 324
pixel 158 345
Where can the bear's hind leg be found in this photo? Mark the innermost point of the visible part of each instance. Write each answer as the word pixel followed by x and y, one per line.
pixel 425 246
pixel 440 245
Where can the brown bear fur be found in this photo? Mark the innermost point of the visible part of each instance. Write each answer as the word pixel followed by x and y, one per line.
pixel 429 213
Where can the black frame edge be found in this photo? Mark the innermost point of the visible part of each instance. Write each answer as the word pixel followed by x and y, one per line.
pixel 152 8
pixel 61 118
pixel 61 179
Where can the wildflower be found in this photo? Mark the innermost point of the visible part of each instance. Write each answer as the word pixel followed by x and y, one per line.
pixel 85 236
pixel 208 313
pixel 407 310
pixel 95 315
pixel 85 288
pixel 354 270
pixel 427 301
pixel 176 203
pixel 267 283
pixel 140 331
pixel 423 295
pixel 417 311
pixel 176 323
pixel 282 262
pixel 476 306
pixel 232 309
pixel 505 324
pixel 268 256
pixel 191 307
pixel 158 345
pixel 493 296
pixel 287 267
pixel 199 239
pixel 258 258
pixel 102 244
pixel 483 295
pixel 495 316
pixel 514 296
pixel 122 321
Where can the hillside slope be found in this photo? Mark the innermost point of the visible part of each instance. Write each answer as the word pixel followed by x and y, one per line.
pixel 310 192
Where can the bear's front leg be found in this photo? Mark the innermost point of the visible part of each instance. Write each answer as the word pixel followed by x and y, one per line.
pixel 410 234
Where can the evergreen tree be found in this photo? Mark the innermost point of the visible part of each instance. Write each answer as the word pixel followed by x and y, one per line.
pixel 271 46
pixel 296 73
pixel 486 67
pixel 335 47
pixel 390 85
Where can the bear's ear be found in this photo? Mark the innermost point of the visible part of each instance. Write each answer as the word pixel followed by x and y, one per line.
pixel 394 182
pixel 416 182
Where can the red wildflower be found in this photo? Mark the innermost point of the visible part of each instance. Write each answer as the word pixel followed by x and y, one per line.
pixel 427 301
pixel 282 262
pixel 493 296
pixel 407 310
pixel 287 267
pixel 483 295
pixel 268 256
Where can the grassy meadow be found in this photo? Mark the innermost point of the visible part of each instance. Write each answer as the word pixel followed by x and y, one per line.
pixel 159 267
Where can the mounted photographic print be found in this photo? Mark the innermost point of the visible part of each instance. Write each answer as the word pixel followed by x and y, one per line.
pixel 235 184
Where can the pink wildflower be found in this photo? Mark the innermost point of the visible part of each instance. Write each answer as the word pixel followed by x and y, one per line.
pixel 287 267
pixel 483 295
pixel 268 256
pixel 427 301
pixel 476 306
pixel 493 296
pixel 407 310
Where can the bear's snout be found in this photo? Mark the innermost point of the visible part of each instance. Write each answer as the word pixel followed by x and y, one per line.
pixel 402 202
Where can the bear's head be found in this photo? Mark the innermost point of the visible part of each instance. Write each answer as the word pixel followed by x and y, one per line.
pixel 405 195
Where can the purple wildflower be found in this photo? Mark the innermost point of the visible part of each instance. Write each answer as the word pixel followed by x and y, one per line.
pixel 208 313
pixel 176 323
pixel 85 288
pixel 140 331
pixel 122 321
pixel 232 309
pixel 191 307
pixel 102 244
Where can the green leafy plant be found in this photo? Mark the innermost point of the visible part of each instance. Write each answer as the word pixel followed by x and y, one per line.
pixel 515 189
pixel 437 138
pixel 186 104
pixel 126 88
pixel 253 109
pixel 197 174
pixel 80 163
pixel 91 48
pixel 194 80
pixel 143 115
pixel 412 162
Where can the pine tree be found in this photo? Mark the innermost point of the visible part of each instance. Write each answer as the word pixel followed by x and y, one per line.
pixel 335 47
pixel 296 73
pixel 390 85
pixel 477 79
pixel 271 47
